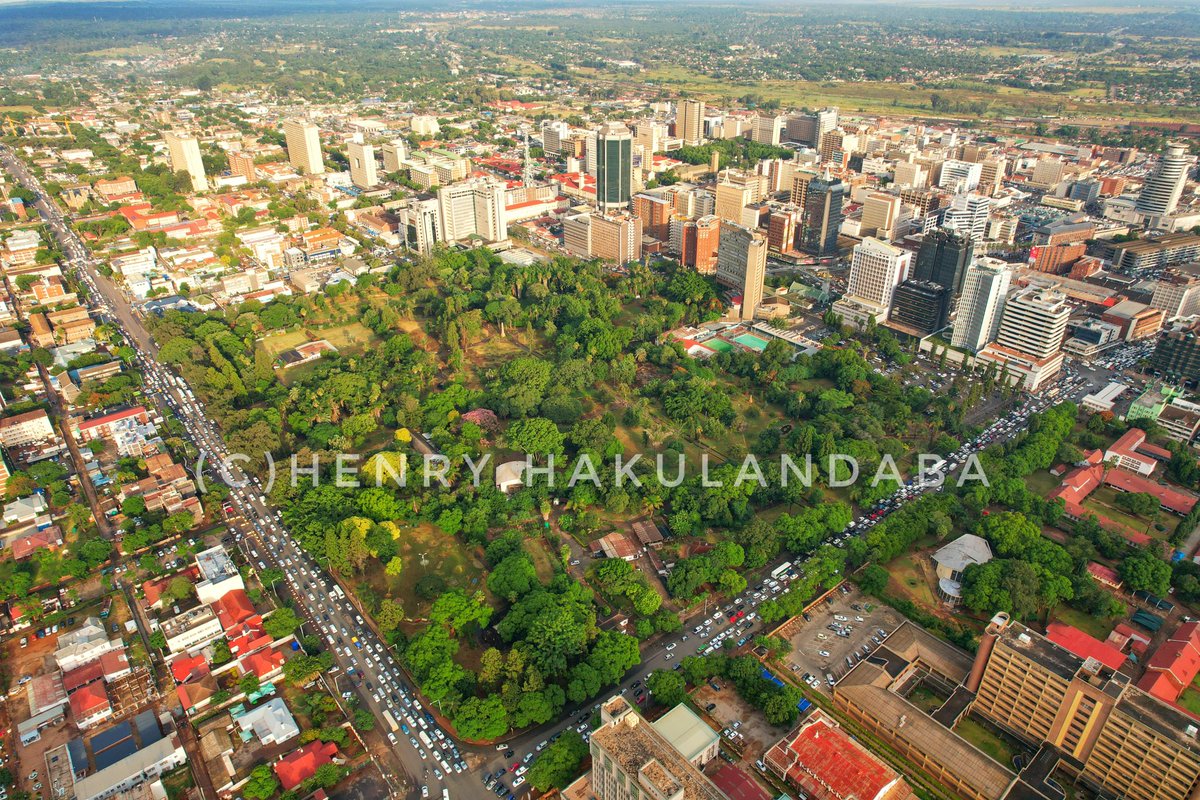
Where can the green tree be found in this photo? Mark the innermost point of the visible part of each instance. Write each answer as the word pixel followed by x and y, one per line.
pixel 281 623
pixel 262 783
pixel 667 686
pixel 158 640
pixel 249 684
pixel 364 720
pixel 559 763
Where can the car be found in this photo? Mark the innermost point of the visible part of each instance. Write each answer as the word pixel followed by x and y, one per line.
pixel 424 791
pixel 515 767
pixel 518 781
pixel 823 653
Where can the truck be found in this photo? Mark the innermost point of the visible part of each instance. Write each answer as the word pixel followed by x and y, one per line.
pixel 425 740
pixel 781 569
pixel 337 591
pixel 391 721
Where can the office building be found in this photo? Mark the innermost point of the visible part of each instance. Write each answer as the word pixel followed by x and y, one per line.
pixel 807 129
pixel 920 307
pixel 782 225
pixel 655 210
pixel 880 213
pixel 876 269
pixel 960 176
pixel 1085 191
pixel 823 216
pixel 363 173
pixel 555 133
pixel 767 129
pixel 394 153
pixel 218 575
pixel 614 167
pixel 689 122
pixel 909 175
pixel 1134 320
pixel 634 760
pixel 615 238
pixel 1177 294
pixel 742 264
pixel 184 153
pixel 836 147
pixel 243 164
pixel 981 303
pixel 1177 354
pixel 1087 718
pixel 736 191
pixel 968 213
pixel 1028 344
pixel 303 141
pixel 473 209
pixel 1146 254
pixel 943 258
pixel 1160 194
pixel 696 242
pixel 420 225
pixel 991 175
pixel 1047 173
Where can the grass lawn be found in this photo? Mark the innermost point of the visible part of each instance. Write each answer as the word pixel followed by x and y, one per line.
pixel 1103 501
pixel 425 550
pixel 908 581
pixel 926 699
pixel 988 739
pixel 1089 624
pixel 349 336
pixel 1042 483
pixel 1190 699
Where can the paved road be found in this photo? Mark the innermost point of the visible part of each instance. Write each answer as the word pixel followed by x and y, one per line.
pixel 383 687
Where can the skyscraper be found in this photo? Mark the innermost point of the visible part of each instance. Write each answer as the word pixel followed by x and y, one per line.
pixel 614 166
pixel 473 208
pixel 742 264
pixel 554 133
pixel 395 153
pixel 943 258
pixel 696 241
pixel 923 307
pixel 689 122
pixel 1035 321
pixel 822 216
pixel 960 176
pixel 879 215
pixel 875 270
pixel 362 165
pixel 968 213
pixel 981 304
pixel 1160 195
pixel 304 146
pixel 184 153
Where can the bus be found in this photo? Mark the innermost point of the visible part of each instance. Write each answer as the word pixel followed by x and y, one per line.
pixel 337 590
pixel 391 721
pixel 425 740
pixel 782 568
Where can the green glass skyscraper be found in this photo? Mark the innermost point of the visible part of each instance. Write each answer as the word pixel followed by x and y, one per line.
pixel 614 167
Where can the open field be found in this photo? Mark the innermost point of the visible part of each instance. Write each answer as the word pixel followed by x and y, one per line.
pixel 882 97
pixel 350 336
pixel 425 550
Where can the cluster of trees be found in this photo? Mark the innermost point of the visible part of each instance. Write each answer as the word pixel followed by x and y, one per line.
pixel 777 703
pixel 738 152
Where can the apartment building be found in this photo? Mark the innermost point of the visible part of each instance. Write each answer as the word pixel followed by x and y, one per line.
pixel 30 427
pixel 1094 721
pixel 616 238
pixel 363 170
pixel 184 153
pixel 303 141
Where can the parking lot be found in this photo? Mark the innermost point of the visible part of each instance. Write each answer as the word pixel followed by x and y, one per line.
pixel 743 729
pixel 820 651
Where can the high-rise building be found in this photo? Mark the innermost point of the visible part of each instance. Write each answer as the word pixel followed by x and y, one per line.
pixel 1177 354
pixel 981 303
pixel 614 167
pixel 421 220
pixel 395 153
pixel 696 242
pixel 689 122
pixel 1081 712
pixel 616 237
pixel 837 145
pixel 807 129
pixel 633 759
pixel 733 197
pixel 554 133
pixel 876 269
pixel 473 208
pixel 960 176
pixel 1028 344
pixel 799 187
pixel 922 307
pixel 1177 294
pixel 243 164
pixel 991 175
pixel 909 175
pixel 655 210
pixel 880 212
pixel 742 264
pixel 650 134
pixel 767 129
pixel 968 213
pixel 304 146
pixel 782 225
pixel 363 173
pixel 943 258
pixel 1035 321
pixel 1047 173
pixel 1161 192
pixel 184 153
pixel 822 216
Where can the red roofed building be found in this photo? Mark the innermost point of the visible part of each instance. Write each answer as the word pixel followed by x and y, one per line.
pixel 189 668
pixel 82 676
pixel 1134 453
pixel 1084 645
pixel 234 607
pixel 154 589
pixel 246 637
pixel 90 705
pixel 1174 664
pixel 194 696
pixel 821 760
pixel 1170 499
pixel 300 765
pixel 1104 575
pixel 25 546
pixel 263 663
pixel 115 664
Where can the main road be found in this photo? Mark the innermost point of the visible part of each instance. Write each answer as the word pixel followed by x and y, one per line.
pixel 359 651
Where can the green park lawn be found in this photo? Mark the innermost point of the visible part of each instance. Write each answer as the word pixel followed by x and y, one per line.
pixel 425 550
